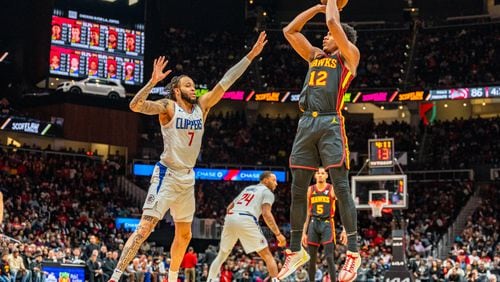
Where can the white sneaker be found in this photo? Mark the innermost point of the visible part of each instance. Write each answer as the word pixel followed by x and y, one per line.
pixel 292 262
pixel 349 271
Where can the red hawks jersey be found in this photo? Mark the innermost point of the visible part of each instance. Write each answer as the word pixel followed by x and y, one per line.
pixel 322 203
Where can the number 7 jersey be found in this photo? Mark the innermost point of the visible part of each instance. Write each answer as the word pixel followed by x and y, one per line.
pixel 182 138
pixel 251 199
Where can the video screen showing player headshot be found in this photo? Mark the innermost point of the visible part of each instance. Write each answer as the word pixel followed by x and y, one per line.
pixel 76 34
pixel 129 72
pixel 74 64
pixel 112 39
pixel 93 66
pixel 56 31
pixel 130 46
pixel 55 61
pixel 111 69
pixel 94 36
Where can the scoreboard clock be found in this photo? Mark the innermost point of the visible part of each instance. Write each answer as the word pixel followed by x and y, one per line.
pixel 381 152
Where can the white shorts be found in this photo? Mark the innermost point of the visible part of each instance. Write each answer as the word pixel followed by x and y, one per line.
pixel 171 189
pixel 244 227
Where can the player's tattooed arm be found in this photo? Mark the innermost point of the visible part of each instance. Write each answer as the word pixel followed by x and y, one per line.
pixel 135 241
pixel 269 219
pixel 139 103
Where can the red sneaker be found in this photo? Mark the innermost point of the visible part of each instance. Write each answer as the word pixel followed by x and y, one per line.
pixel 350 270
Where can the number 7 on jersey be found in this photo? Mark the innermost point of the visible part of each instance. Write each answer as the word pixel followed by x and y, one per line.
pixel 191 136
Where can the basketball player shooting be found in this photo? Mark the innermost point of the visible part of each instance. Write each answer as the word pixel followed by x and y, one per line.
pixel 321 133
pixel 181 117
pixel 242 223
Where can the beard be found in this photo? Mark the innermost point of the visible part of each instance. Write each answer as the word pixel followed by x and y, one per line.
pixel 188 99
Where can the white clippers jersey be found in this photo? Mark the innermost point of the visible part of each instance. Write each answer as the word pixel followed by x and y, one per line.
pixel 182 138
pixel 251 199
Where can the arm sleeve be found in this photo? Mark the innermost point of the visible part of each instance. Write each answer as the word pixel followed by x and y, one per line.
pixel 234 73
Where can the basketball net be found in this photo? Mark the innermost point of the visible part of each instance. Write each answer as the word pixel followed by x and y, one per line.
pixel 377 206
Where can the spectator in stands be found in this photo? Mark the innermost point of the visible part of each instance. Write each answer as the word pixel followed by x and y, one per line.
pixel 189 264
pixel 95 272
pixel 36 268
pixel 108 265
pixel 76 258
pixel 134 271
pixel 17 267
pixel 5 269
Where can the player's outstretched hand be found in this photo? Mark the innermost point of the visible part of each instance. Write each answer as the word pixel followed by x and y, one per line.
pixel 258 46
pixel 158 66
pixel 281 240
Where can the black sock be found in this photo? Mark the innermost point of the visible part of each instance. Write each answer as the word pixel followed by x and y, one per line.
pixel 313 252
pixel 330 254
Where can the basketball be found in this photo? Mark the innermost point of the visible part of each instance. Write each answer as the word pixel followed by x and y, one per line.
pixel 340 3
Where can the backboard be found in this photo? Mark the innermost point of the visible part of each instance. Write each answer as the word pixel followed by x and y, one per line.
pixel 392 188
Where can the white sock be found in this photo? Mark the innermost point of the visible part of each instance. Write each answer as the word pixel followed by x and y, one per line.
pixel 116 275
pixel 214 270
pixel 172 276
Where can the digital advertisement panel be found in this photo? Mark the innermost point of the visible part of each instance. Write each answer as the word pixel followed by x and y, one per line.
pixel 86 46
pixel 215 174
pixel 55 272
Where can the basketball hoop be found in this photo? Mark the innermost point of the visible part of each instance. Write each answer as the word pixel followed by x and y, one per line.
pixel 377 206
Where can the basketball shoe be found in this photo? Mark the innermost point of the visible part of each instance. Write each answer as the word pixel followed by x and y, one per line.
pixel 292 262
pixel 349 271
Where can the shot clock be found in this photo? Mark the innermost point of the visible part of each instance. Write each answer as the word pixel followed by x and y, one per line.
pixel 381 152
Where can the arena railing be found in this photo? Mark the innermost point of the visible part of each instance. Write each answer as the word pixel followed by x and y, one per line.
pixel 440 175
pixel 131 190
pixel 50 152
pixel 444 244
pixel 434 175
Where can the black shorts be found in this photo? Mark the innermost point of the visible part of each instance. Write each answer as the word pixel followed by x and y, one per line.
pixel 320 232
pixel 320 140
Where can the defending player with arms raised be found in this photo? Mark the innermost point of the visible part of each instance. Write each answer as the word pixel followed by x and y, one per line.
pixel 321 134
pixel 181 118
pixel 319 228
pixel 242 222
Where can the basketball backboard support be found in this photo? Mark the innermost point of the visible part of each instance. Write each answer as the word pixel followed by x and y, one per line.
pixel 391 188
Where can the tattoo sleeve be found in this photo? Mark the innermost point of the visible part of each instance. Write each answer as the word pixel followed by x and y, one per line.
pixel 270 222
pixel 135 241
pixel 141 105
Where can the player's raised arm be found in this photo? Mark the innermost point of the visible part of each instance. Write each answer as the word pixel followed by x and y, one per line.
pixel 348 50
pixel 139 103
pixel 213 97
pixel 294 36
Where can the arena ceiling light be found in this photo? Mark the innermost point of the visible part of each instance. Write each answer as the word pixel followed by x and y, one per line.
pixel 3 56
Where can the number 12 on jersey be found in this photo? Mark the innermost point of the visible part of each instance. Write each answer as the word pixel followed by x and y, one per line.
pixel 247 197
pixel 318 78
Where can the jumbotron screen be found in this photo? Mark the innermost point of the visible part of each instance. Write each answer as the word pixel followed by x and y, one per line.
pixel 90 46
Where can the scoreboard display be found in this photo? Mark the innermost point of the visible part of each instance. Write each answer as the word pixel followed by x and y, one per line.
pixel 87 46
pixel 381 152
